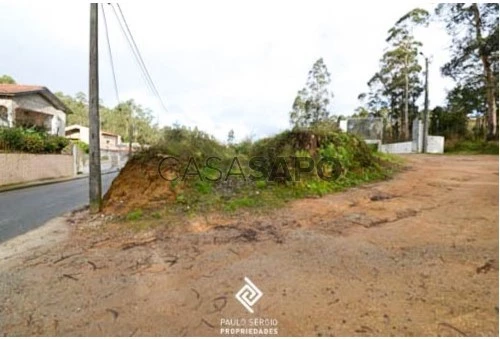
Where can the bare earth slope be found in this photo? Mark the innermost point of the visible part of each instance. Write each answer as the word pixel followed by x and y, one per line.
pixel 416 255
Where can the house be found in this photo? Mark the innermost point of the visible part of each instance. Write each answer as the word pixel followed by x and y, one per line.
pixel 23 105
pixel 108 141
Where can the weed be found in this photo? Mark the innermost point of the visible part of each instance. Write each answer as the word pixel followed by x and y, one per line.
pixel 134 215
pixel 156 215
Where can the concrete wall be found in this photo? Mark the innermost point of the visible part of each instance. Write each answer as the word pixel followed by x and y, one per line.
pixel 435 144
pixel 417 136
pixel 37 103
pixel 23 167
pixel 366 128
pixel 397 148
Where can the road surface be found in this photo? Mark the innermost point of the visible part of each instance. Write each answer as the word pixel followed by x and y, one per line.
pixel 25 209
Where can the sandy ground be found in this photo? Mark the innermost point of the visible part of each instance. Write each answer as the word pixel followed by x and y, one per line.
pixel 416 255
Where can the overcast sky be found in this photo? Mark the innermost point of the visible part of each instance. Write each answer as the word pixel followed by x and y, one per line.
pixel 217 64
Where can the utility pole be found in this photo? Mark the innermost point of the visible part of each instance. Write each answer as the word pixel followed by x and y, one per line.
pixel 130 136
pixel 405 124
pixel 426 106
pixel 94 121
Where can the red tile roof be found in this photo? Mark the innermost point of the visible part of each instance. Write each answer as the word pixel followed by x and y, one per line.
pixel 11 90
pixel 18 89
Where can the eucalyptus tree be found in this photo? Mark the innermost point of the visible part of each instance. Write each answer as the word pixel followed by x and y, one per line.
pixel 474 62
pixel 312 103
pixel 397 85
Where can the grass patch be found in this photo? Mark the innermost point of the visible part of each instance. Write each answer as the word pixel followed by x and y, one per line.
pixel 134 215
pixel 471 147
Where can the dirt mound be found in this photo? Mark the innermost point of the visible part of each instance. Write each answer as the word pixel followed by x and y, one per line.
pixel 137 186
pixel 140 185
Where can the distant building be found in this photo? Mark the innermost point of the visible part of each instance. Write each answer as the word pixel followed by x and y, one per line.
pixel 108 141
pixel 23 105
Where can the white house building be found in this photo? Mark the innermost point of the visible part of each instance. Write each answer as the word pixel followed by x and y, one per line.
pixel 22 105
pixel 108 141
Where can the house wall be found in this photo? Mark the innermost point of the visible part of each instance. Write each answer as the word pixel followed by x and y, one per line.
pixel 82 135
pixel 23 167
pixel 37 103
pixel 108 141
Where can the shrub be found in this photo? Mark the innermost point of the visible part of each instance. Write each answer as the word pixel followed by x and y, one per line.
pixel 30 140
pixel 83 146
pixel 33 143
pixel 55 143
pixel 11 138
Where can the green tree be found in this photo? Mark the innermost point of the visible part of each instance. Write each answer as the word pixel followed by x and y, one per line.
pixel 7 79
pixel 79 107
pixel 129 120
pixel 311 105
pixel 474 62
pixel 395 88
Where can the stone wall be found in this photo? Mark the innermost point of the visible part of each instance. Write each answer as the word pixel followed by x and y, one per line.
pixel 23 167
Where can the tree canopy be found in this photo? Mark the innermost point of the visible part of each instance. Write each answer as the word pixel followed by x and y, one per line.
pixel 312 103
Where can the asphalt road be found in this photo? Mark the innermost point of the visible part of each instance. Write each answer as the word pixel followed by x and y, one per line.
pixel 25 209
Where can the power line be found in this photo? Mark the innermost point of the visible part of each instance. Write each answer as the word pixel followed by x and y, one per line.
pixel 110 54
pixel 138 56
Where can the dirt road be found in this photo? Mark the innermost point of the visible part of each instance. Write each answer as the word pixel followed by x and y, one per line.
pixel 416 255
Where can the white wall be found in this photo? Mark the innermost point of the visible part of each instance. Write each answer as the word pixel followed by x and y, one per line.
pixel 397 148
pixel 435 144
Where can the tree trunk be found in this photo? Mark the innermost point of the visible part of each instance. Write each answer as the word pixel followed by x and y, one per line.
pixel 488 77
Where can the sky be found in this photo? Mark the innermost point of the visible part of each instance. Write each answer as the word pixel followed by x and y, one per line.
pixel 217 64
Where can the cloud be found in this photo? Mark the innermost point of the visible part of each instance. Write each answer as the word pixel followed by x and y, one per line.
pixel 219 65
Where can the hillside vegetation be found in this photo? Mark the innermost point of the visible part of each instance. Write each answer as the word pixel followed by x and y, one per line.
pixel 263 174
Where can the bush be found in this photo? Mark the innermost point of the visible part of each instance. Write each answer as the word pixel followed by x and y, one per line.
pixel 31 141
pixel 11 138
pixel 83 146
pixel 55 143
